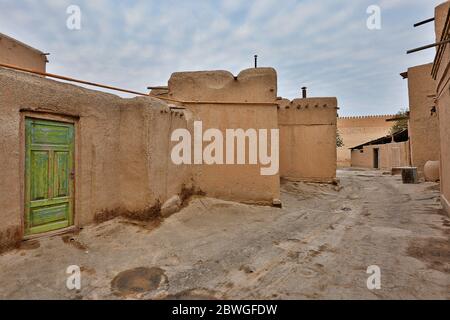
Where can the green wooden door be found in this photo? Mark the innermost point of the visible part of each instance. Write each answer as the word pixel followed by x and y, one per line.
pixel 49 175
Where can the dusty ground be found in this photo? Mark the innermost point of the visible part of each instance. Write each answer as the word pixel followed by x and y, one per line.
pixel 318 246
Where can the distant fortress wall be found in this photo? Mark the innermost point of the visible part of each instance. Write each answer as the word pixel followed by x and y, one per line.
pixel 356 130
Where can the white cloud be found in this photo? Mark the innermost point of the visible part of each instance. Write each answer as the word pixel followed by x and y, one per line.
pixel 324 45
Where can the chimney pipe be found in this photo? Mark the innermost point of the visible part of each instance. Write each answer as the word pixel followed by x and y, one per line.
pixel 304 95
pixel 256 61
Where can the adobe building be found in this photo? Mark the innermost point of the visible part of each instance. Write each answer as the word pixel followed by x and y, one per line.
pixel 308 139
pixel 16 53
pixel 159 92
pixel 384 153
pixel 423 121
pixel 72 156
pixel 357 130
pixel 223 101
pixel 441 74
pixel 307 127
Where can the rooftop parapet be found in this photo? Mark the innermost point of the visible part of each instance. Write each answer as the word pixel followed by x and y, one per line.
pixel 257 85
pixel 308 103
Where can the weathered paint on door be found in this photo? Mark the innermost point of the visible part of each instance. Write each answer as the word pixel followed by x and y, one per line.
pixel 49 175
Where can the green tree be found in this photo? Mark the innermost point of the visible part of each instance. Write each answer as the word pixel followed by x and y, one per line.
pixel 402 122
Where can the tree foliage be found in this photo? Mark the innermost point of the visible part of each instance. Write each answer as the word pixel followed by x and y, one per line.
pixel 401 123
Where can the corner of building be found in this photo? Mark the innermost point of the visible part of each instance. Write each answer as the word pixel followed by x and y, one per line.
pixel 445 204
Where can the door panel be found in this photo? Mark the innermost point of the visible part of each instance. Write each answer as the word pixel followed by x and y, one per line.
pixel 50 134
pixel 44 215
pixel 49 165
pixel 39 175
pixel 61 185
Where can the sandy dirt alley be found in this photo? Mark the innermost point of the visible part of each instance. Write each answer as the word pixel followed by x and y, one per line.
pixel 318 246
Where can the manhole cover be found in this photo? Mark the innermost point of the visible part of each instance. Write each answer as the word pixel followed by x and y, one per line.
pixel 136 281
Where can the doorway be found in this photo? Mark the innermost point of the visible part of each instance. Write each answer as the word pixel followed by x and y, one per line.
pixel 376 158
pixel 49 175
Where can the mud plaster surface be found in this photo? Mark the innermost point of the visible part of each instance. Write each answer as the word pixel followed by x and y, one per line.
pixel 318 246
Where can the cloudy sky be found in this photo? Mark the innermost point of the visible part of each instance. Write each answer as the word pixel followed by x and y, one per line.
pixel 322 44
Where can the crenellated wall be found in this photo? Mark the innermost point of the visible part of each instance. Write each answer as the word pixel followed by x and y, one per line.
pixel 308 139
pixel 357 130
